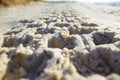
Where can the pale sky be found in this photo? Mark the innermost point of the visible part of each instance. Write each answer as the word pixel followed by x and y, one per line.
pixel 87 0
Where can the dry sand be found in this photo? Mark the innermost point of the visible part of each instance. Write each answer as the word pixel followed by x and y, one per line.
pixel 61 41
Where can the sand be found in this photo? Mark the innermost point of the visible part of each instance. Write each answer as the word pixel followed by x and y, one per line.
pixel 60 41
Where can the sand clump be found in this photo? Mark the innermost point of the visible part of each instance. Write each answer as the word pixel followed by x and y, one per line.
pixel 59 51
